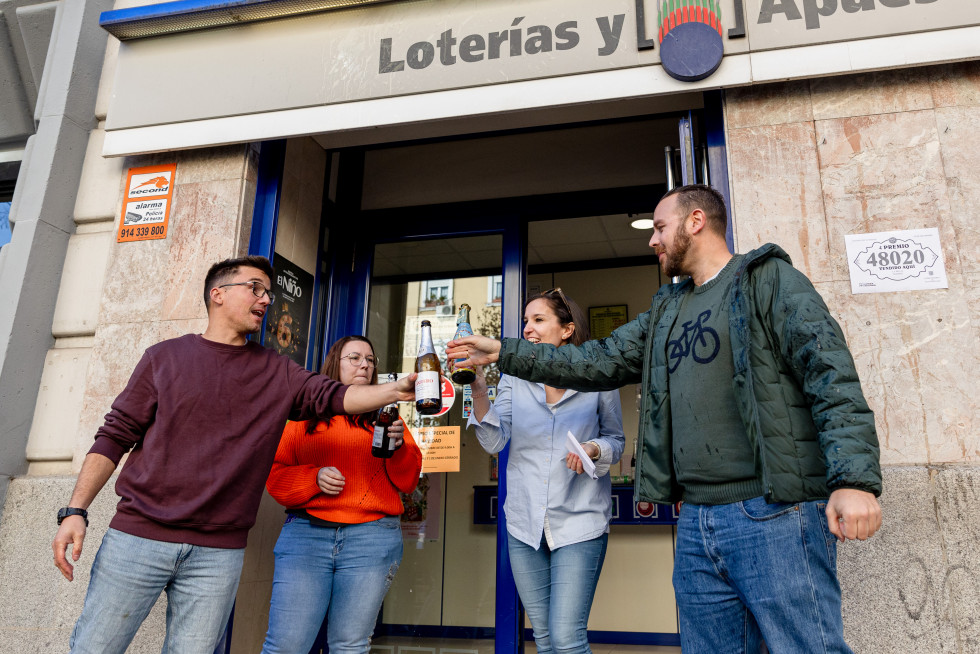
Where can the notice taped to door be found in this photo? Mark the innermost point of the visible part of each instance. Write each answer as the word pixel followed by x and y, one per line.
pixel 146 206
pixel 440 448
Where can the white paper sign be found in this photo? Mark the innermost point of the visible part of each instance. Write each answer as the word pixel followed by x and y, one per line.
pixel 909 260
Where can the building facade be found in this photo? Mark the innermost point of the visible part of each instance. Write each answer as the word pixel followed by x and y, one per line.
pixel 406 157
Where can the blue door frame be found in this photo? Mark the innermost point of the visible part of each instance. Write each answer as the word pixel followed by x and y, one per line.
pixel 344 291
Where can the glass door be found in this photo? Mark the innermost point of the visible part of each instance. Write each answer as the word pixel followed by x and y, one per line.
pixel 453 591
pixel 443 597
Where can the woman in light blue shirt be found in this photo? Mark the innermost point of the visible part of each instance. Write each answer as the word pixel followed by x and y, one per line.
pixel 557 517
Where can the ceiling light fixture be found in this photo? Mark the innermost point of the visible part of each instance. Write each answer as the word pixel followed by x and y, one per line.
pixel 642 223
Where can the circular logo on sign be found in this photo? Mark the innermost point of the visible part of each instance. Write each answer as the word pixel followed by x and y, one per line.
pixel 448 397
pixel 645 509
pixel 691 45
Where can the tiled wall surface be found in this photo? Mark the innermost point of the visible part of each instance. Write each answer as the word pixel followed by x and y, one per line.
pixel 810 162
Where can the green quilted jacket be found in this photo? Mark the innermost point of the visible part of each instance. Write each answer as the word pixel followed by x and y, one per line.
pixel 795 384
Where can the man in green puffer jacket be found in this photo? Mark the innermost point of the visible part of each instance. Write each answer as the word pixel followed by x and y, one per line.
pixel 752 414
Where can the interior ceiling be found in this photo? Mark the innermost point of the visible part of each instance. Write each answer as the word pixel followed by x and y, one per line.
pixel 567 240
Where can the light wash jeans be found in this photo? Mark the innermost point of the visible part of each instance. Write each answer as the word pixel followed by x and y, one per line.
pixel 342 573
pixel 128 575
pixel 751 572
pixel 557 588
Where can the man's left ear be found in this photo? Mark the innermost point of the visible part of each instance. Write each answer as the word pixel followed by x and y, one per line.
pixel 698 221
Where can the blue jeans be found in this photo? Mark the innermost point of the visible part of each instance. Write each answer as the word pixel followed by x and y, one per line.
pixel 342 573
pixel 557 588
pixel 128 575
pixel 751 572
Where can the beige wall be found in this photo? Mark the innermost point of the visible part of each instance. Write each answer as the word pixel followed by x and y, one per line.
pixel 813 161
pixel 810 162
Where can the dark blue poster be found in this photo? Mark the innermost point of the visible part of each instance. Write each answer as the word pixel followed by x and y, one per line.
pixel 287 325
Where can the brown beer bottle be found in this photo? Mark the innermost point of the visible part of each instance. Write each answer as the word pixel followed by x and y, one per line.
pixel 381 445
pixel 463 329
pixel 428 385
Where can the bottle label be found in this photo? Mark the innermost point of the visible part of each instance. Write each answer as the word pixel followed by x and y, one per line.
pixel 427 385
pixel 379 434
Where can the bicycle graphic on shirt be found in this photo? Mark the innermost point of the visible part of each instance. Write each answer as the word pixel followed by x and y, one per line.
pixel 697 340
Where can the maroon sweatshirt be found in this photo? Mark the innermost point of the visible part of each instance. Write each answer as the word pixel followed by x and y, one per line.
pixel 203 421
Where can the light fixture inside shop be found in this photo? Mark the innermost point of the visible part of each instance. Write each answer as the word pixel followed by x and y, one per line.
pixel 189 15
pixel 642 223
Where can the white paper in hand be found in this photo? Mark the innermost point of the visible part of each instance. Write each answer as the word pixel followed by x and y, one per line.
pixel 573 446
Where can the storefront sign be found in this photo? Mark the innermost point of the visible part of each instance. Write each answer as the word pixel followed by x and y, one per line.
pixel 794 23
pixel 440 448
pixel 333 59
pixel 146 208
pixel 896 261
pixel 287 323
pixel 448 397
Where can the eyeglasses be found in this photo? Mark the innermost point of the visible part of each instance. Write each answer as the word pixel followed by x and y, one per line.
pixel 355 359
pixel 258 289
pixel 562 297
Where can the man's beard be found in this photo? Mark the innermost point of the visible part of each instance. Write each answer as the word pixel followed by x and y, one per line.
pixel 674 257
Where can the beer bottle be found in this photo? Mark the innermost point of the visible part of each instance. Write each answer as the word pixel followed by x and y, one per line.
pixel 428 386
pixel 382 446
pixel 463 329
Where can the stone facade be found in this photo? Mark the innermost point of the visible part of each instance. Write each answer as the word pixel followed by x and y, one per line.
pixel 811 161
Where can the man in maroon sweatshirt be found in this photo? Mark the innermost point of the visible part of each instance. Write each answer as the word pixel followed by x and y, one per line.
pixel 201 417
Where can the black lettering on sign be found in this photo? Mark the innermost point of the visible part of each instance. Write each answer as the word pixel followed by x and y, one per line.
pixel 533 40
pixel 813 10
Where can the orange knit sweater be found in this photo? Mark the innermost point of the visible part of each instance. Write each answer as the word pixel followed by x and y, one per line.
pixel 372 484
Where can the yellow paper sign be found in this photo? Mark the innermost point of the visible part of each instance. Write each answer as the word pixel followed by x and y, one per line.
pixel 440 448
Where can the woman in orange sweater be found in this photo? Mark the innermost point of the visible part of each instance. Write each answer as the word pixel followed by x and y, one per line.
pixel 341 544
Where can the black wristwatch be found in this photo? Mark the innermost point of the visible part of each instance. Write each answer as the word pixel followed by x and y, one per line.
pixel 70 510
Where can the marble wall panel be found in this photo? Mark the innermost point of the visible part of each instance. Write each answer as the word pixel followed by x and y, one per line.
pixel 911 350
pixel 768 104
pixel 117 350
pixel 203 230
pixel 39 606
pixel 955 84
pixel 870 94
pixel 958 496
pixel 890 600
pixel 135 286
pixel 882 173
pixel 776 194
pixel 211 164
pixel 960 142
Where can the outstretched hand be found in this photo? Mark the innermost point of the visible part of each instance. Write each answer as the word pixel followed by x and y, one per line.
pixel 853 514
pixel 478 350
pixel 406 388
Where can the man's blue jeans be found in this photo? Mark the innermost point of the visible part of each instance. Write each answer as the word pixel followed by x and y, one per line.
pixel 750 572
pixel 557 588
pixel 128 575
pixel 342 573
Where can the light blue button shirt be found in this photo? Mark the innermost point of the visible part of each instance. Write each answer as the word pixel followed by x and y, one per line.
pixel 538 482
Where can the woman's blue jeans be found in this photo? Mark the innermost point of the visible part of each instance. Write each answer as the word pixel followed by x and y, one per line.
pixel 557 588
pixel 750 572
pixel 341 573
